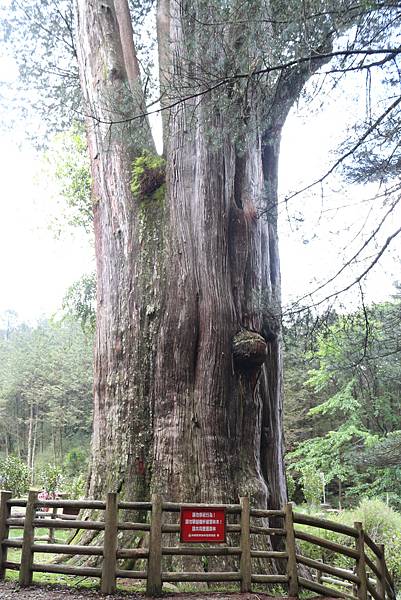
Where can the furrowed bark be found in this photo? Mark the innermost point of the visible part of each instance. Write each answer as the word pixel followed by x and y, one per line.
pixel 163 45
pixel 131 64
pixel 129 240
pixel 224 279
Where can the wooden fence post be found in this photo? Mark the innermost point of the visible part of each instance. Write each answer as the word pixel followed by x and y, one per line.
pixel 292 572
pixel 5 512
pixel 154 579
pixel 381 566
pixel 108 585
pixel 319 573
pixel 25 573
pixel 245 543
pixel 53 515
pixel 362 589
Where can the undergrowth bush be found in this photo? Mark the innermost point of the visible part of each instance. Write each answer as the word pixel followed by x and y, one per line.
pixel 14 475
pixel 380 522
pixel 75 487
pixel 50 478
pixel 383 525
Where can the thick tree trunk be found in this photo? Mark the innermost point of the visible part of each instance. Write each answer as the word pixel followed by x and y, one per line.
pixel 128 244
pixel 188 349
pixel 217 420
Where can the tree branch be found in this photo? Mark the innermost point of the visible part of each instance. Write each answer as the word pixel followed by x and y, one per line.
pixel 355 256
pixel 349 153
pixel 357 280
pixel 251 74
pixel 127 42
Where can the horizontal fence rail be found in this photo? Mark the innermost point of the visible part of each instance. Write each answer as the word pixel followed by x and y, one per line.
pixel 274 530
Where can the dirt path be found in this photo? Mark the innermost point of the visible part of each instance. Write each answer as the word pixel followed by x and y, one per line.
pixel 11 591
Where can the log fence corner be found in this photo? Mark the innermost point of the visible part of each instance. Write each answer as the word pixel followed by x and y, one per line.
pixel 367 556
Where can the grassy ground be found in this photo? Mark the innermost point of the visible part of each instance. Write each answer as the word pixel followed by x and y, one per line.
pixel 14 555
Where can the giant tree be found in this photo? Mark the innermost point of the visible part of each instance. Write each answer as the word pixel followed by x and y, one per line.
pixel 188 360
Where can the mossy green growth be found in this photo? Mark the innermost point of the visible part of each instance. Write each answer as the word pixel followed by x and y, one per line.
pixel 148 177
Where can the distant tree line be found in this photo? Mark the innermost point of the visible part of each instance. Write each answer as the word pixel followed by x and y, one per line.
pixel 45 390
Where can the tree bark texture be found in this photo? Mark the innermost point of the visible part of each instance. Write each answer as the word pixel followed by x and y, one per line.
pixel 188 347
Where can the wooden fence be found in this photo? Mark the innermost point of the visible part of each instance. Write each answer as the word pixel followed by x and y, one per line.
pixel 370 577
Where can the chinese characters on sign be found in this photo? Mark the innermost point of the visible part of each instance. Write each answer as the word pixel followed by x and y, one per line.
pixel 203 525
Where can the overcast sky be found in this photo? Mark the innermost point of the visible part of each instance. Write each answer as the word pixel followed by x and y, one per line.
pixel 35 267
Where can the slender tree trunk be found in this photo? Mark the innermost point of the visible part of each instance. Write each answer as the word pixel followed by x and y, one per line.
pixel 34 441
pixel 54 444
pixel 30 436
pixel 129 238
pixel 18 420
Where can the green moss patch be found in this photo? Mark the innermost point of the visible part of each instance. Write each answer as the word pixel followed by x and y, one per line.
pixel 148 177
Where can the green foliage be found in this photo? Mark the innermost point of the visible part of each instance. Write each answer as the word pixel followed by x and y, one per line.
pixel 50 478
pixel 74 470
pixel 311 486
pixel 66 166
pixel 299 344
pixel 343 402
pixel 75 487
pixel 45 388
pixel 14 475
pixel 383 525
pixel 148 176
pixel 80 302
pixel 379 520
pixel 343 393
pixel 383 452
pixel 72 171
pixel 290 486
pixel 75 462
pixel 329 454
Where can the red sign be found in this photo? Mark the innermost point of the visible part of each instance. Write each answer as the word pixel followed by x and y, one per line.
pixel 203 524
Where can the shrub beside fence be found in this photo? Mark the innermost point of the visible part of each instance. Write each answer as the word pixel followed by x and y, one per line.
pixel 154 527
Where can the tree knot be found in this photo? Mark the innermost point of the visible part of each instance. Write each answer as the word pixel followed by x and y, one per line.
pixel 249 350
